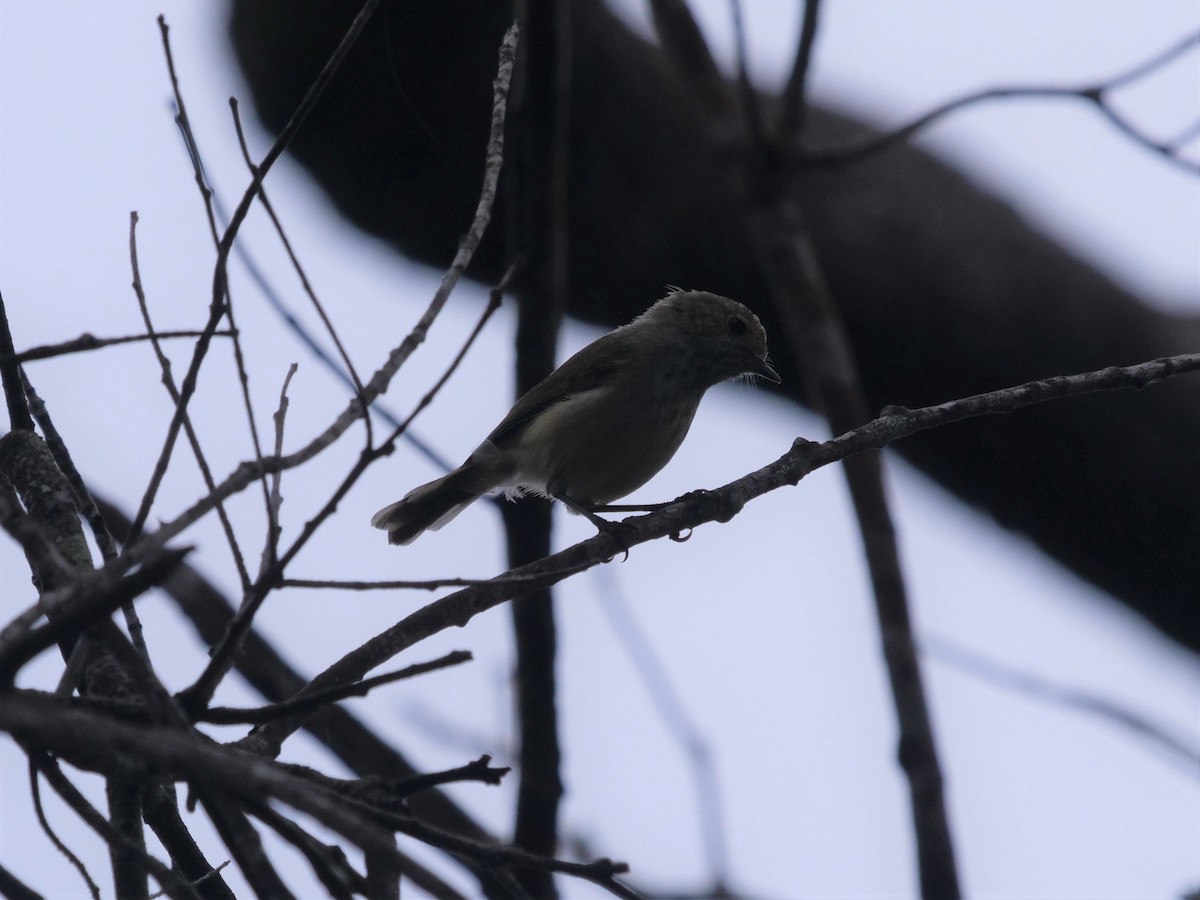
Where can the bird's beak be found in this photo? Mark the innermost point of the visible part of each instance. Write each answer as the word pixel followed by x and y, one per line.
pixel 763 369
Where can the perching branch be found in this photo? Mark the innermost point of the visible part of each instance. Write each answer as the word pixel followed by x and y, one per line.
pixel 699 507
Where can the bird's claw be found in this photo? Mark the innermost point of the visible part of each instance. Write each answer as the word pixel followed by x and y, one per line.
pixel 613 530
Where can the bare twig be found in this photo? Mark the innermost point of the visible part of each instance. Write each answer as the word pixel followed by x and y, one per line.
pixel 226 715
pixel 248 472
pixel 480 770
pixel 328 863
pixel 218 305
pixel 87 342
pixel 208 198
pixel 168 381
pixel 362 751
pixel 270 552
pixel 40 811
pixel 434 584
pixel 243 840
pixel 170 881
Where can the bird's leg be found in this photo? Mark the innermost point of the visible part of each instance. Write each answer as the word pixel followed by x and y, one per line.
pixel 613 529
pixel 632 507
pixel 678 536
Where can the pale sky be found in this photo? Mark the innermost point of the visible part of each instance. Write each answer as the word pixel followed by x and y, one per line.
pixel 764 625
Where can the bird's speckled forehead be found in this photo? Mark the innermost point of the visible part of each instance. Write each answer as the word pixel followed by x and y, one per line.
pixel 700 303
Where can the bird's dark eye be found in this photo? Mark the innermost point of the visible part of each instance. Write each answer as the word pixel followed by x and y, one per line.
pixel 737 326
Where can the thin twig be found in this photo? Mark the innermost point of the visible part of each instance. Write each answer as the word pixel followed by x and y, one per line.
pixel 794 111
pixel 227 715
pixel 87 342
pixel 40 811
pixel 168 381
pixel 687 734
pixel 168 879
pixel 328 863
pixel 480 770
pixel 270 552
pixel 206 195
pixel 345 736
pixel 218 305
pixel 304 282
pixel 84 602
pixel 824 361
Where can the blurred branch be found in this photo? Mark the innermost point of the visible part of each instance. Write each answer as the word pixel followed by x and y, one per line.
pixel 687 734
pixel 328 862
pixel 1180 750
pixel 538 233
pixel 824 362
pixel 794 110
pixel 1096 94
pixel 171 883
pixel 318 307
pixel 978 297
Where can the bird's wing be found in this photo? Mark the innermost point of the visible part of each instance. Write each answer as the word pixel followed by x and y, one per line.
pixel 587 369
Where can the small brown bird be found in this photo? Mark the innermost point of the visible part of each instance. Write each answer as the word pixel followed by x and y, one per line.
pixel 605 421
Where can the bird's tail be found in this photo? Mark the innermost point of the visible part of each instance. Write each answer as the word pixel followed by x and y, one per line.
pixel 432 505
